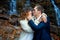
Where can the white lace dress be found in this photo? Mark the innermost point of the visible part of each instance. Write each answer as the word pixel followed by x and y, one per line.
pixel 27 34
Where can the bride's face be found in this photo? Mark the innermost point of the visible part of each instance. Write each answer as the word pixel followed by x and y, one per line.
pixel 30 13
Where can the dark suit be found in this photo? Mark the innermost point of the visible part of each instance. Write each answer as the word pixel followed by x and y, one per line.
pixel 42 30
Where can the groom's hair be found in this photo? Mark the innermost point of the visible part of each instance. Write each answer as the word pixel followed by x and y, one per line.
pixel 40 8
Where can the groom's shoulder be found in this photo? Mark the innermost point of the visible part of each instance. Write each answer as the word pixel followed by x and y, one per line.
pixel 48 17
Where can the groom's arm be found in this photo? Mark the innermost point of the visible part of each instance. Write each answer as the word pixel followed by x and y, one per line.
pixel 36 27
pixel 40 25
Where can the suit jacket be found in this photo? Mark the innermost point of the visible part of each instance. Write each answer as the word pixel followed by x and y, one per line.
pixel 42 30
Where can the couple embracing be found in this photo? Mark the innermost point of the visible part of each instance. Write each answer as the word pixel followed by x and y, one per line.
pixel 35 24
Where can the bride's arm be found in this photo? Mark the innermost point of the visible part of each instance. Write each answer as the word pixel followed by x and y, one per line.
pixel 44 17
pixel 25 26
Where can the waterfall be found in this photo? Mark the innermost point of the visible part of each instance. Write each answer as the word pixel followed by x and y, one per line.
pixel 27 3
pixel 12 7
pixel 57 11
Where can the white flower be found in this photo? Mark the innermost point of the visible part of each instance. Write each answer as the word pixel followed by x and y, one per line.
pixel 36 22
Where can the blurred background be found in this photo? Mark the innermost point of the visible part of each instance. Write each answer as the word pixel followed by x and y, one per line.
pixel 10 11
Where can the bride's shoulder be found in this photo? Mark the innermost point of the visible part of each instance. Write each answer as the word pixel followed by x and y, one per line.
pixel 23 21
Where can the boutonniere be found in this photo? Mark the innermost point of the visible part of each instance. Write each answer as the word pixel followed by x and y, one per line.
pixel 37 22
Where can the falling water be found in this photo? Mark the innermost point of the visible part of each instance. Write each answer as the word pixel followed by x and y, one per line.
pixel 27 3
pixel 12 7
pixel 57 11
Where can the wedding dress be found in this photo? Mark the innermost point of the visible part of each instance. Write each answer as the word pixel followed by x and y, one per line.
pixel 27 34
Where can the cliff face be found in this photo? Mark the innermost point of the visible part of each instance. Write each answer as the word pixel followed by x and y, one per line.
pixel 4 7
pixel 5 21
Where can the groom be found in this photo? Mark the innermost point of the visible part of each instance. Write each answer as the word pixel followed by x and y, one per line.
pixel 42 24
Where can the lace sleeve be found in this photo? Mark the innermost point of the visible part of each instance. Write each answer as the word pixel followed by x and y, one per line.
pixel 25 26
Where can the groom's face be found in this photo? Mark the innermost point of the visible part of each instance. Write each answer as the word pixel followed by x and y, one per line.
pixel 35 11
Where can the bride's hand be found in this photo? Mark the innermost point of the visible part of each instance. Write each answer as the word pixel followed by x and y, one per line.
pixel 44 18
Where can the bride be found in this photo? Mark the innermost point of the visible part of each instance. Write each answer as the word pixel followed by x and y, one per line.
pixel 27 33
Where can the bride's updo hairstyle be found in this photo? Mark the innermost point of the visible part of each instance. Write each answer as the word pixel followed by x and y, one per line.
pixel 25 12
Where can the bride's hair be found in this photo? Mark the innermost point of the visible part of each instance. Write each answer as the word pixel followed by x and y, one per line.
pixel 24 14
